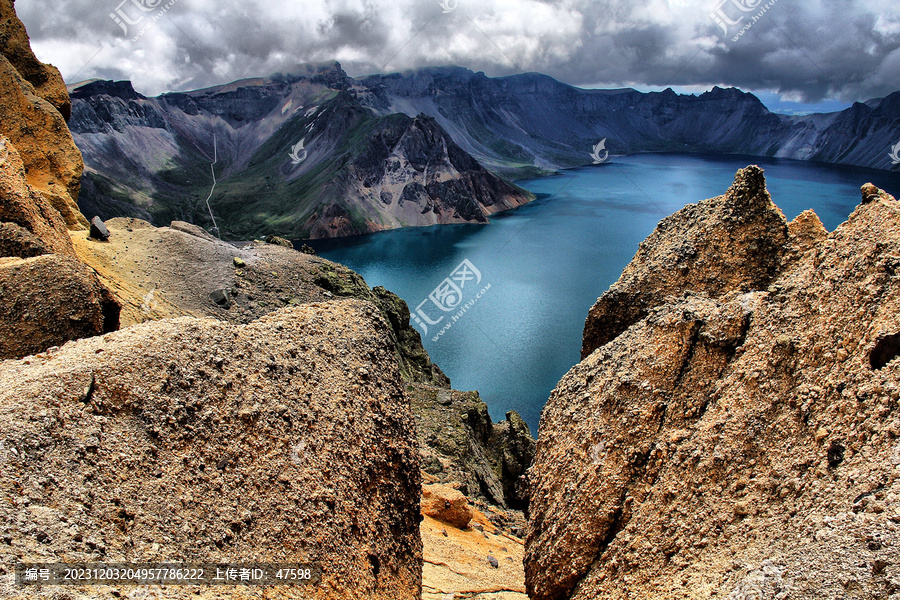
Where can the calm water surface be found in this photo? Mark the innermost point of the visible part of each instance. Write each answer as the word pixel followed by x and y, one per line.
pixel 547 262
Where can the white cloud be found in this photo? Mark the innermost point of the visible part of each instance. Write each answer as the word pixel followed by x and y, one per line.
pixel 814 49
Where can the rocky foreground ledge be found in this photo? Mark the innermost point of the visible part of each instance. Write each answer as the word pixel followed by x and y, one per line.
pixel 733 430
pixel 287 440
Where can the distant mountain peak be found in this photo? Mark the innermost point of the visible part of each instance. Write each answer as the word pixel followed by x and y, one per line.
pixel 96 87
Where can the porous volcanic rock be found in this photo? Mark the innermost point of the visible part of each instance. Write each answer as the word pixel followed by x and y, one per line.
pixel 31 97
pixel 24 206
pixel 48 300
pixel 18 241
pixel 159 272
pixel 284 440
pixel 738 445
pixel 806 231
pixel 732 242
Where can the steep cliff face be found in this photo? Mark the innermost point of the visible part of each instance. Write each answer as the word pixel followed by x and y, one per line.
pixel 16 48
pixel 29 216
pixel 462 445
pixel 34 104
pixel 294 156
pixel 740 440
pixel 47 297
pixel 284 440
pixel 530 122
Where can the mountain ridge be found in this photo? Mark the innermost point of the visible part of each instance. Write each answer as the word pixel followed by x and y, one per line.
pixel 333 168
pixel 150 157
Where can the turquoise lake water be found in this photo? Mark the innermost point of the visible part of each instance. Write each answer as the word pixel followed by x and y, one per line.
pixel 521 298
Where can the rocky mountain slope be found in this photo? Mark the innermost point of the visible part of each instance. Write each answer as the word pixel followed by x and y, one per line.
pixel 181 270
pixel 170 271
pixel 734 429
pixel 532 122
pixel 320 154
pixel 292 156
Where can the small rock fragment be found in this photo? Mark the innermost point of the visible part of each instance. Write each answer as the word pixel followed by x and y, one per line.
pixel 279 241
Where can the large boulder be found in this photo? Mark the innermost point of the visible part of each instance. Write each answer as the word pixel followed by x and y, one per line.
pixel 737 445
pixel 32 96
pixel 48 300
pixel 284 440
pixel 446 504
pixel 734 242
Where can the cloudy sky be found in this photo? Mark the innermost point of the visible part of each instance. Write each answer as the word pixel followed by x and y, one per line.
pixel 794 53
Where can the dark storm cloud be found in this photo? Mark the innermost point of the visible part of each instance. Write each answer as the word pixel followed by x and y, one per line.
pixel 807 49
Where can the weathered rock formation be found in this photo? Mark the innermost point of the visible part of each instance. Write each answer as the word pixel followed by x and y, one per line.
pixel 34 106
pixel 16 48
pixel 733 242
pixel 48 300
pixel 22 205
pixel 287 439
pixel 460 444
pixel 738 435
pixel 49 297
pixel 170 271
pixel 446 504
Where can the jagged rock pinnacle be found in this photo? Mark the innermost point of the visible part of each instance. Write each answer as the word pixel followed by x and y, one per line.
pixel 749 188
pixel 871 193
